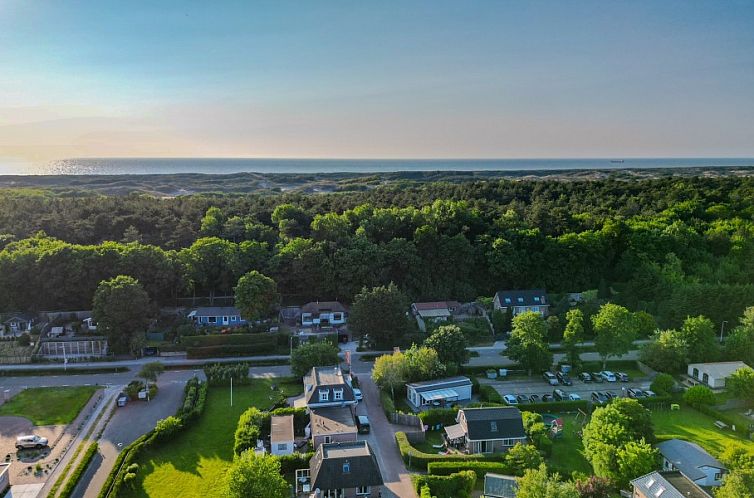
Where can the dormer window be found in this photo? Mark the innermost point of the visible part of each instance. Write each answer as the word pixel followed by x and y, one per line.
pixel 493 426
pixel 520 299
pixel 536 299
pixel 338 394
pixel 346 467
pixel 324 395
pixel 507 300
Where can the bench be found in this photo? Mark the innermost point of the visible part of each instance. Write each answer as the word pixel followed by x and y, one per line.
pixel 720 424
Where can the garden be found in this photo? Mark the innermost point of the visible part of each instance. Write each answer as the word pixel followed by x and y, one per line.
pixel 48 405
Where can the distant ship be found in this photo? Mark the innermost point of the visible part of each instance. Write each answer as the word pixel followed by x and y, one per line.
pixel 616 160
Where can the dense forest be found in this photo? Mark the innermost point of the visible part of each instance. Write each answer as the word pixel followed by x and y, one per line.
pixel 670 246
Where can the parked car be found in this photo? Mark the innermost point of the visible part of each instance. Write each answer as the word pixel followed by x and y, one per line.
pixel 31 441
pixel 522 398
pixel 510 399
pixel 608 376
pixel 599 398
pixel 585 377
pixel 550 378
pixel 534 398
pixel 636 393
pixel 574 397
pixel 362 424
pixel 564 379
pixel 611 394
pixel 650 394
pixel 559 395
pixel 597 377
pixel 357 394
pixel 546 398
pixel 623 377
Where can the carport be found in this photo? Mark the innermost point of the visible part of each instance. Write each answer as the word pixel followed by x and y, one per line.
pixel 440 395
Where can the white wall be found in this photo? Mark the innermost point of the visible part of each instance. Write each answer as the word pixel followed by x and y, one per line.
pixel 281 451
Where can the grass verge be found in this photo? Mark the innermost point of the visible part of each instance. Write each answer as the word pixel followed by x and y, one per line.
pixel 49 405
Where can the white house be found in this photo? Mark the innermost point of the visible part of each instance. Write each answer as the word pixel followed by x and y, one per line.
pixel 323 314
pixel 90 324
pixel 691 459
pixel 519 301
pixel 281 435
pixel 218 316
pixel 441 391
pixel 328 386
pixel 436 311
pixel 714 374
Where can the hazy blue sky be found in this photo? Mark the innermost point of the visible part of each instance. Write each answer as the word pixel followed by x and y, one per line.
pixel 376 79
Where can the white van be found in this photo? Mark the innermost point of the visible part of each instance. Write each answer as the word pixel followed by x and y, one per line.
pixel 609 376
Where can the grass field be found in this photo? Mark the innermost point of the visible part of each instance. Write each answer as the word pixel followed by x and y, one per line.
pixel 193 464
pixel 49 405
pixel 567 454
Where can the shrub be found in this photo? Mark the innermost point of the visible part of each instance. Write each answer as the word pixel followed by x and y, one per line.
pixel 439 416
pixel 387 404
pixel 219 374
pixel 699 395
pixel 75 477
pixel 166 428
pixel 250 429
pixel 425 493
pixel 489 394
pixel 522 457
pixel 289 463
pixel 458 485
pixel 662 384
pixel 551 407
pixel 480 468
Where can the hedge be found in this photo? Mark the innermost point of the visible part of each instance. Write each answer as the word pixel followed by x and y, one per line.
pixel 289 463
pixel 439 416
pixel 388 406
pixel 249 429
pixel 425 492
pixel 489 393
pixel 74 479
pixel 300 417
pixel 419 460
pixel 201 341
pixel 480 468
pixel 230 350
pixel 219 374
pixel 457 485
pixel 125 457
pixel 551 407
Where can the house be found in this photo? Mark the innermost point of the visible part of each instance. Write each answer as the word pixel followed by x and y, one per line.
pixel 499 486
pixel 486 430
pixel 695 463
pixel 281 435
pixel 341 470
pixel 666 485
pixel 323 314
pixel 714 374
pixel 438 311
pixel 332 425
pixel 439 391
pixel 218 316
pixel 290 315
pixel 519 301
pixel 327 386
pixel 17 323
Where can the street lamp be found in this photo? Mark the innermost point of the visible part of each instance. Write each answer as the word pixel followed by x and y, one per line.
pixel 722 328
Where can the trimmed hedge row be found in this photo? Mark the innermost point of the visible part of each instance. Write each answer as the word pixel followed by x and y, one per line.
pixel 439 416
pixel 74 479
pixel 229 350
pixel 419 460
pixel 201 341
pixel 290 463
pixel 125 458
pixel 551 407
pixel 457 485
pixel 489 393
pixel 219 374
pixel 480 468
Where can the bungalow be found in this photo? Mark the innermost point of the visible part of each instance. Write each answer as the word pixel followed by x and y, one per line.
pixel 439 391
pixel 438 311
pixel 695 463
pixel 519 301
pixel 281 435
pixel 499 486
pixel 714 374
pixel 16 323
pixel 666 485
pixel 341 470
pixel 219 316
pixel 486 430
pixel 327 386
pixel 332 425
pixel 323 314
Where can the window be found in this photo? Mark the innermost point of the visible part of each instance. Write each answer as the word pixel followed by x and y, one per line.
pixel 520 299
pixel 233 318
pixel 346 467
pixel 718 476
pixel 535 309
pixel 493 426
pixel 212 319
pixel 337 394
pixel 328 439
pixel 651 482
pixel 507 300
pixel 282 446
pixel 362 490
pixel 324 396
pixel 536 299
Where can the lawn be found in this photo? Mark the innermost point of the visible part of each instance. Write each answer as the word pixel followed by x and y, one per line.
pixel 193 464
pixel 691 425
pixel 567 451
pixel 431 437
pixel 49 405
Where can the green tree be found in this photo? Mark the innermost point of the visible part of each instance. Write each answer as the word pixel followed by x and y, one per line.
pixel 212 264
pixel 522 457
pixel 255 476
pixel 151 371
pixel 379 314
pixel 450 344
pixel 256 295
pixel 699 334
pixel 292 221
pixel 615 330
pixel 527 342
pixel 122 310
pixel 737 456
pixel 535 483
pixel 313 354
pixel 699 395
pixel 635 458
pixel 668 351
pixel 423 363
pixel 573 335
pixel 737 484
pixel 662 384
pixel 390 371
pixel 741 384
pixel 212 223
pixel 595 487
pixel 501 321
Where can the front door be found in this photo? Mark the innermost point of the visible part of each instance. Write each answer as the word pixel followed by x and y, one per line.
pixel 225 320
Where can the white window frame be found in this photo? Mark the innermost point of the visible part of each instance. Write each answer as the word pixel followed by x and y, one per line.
pixel 363 490
pixel 337 395
pixel 324 396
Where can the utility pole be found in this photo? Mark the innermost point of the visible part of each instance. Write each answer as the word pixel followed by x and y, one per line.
pixel 722 328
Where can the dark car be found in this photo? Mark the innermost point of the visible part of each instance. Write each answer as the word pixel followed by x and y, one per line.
pixel 546 398
pixel 559 395
pixel 362 424
pixel 585 377
pixel 597 377
pixel 534 398
pixel 599 398
pixel 550 378
pixel 611 394
pixel 564 379
pixel 522 398
pixel 623 377
pixel 636 393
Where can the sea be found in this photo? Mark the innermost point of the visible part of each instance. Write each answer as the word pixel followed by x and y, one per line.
pixel 149 166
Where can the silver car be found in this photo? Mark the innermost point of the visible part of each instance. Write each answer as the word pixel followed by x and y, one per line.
pixel 25 442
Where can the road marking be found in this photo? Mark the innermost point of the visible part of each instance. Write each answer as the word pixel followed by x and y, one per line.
pixel 64 385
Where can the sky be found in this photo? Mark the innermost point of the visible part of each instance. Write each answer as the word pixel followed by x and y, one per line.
pixel 387 79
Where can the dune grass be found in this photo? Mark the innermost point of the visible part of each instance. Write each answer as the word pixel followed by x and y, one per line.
pixel 49 405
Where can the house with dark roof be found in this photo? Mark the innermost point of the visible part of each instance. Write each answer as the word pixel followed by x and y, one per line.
pixel 499 486
pixel 436 311
pixel 328 386
pixel 519 301
pixel 486 430
pixel 438 392
pixel 323 314
pixel 332 425
pixel 17 323
pixel 341 470
pixel 217 316
pixel 666 485
pixel 691 459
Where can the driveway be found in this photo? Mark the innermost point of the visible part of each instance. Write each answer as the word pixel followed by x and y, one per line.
pixel 382 440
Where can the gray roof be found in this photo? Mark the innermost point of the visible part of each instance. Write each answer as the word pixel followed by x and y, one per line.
pixel 668 485
pixel 448 382
pixel 25 317
pixel 500 486
pixel 493 423
pixel 344 465
pixel 688 457
pixel 333 420
pixel 327 378
pixel 216 311
pixel 281 428
pixel 522 297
